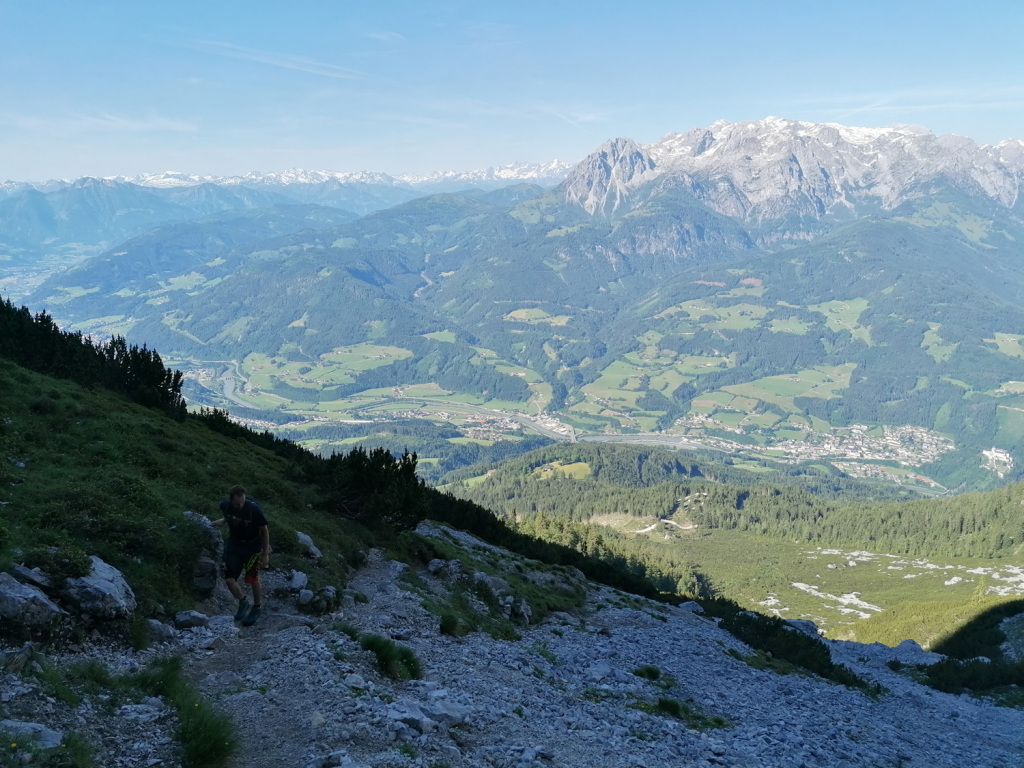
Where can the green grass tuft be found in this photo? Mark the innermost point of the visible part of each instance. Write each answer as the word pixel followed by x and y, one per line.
pixel 395 661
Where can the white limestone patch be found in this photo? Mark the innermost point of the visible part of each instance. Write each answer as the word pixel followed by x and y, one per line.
pixel 1010 577
pixel 848 604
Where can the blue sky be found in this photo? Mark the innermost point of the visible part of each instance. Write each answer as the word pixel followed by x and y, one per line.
pixel 222 87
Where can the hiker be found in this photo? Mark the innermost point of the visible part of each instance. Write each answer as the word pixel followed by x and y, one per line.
pixel 248 549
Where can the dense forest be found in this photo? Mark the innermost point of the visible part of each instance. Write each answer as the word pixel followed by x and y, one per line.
pixel 655 484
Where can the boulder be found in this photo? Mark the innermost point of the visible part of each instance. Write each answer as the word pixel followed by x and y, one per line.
pixel 450 570
pixel 446 712
pixel 496 585
pixel 309 548
pixel 40 734
pixel 207 568
pixel 324 600
pixel 409 713
pixel 191 620
pixel 204 577
pixel 910 652
pixel 31 576
pixel 25 604
pixel 297 581
pixel 212 538
pixel 158 632
pixel 521 611
pixel 397 569
pixel 103 593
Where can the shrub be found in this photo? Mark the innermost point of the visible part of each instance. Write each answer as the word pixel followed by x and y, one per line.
pixel 349 629
pixel 452 625
pixel 395 661
pixel 648 672
pixel 955 675
pixel 771 635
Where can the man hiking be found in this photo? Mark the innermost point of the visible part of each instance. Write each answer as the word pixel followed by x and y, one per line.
pixel 248 549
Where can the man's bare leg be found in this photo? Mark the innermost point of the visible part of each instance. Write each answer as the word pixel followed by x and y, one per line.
pixel 235 590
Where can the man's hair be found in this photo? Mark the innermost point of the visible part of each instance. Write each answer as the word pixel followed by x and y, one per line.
pixel 236 490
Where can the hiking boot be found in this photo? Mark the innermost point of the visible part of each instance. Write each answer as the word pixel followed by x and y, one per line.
pixel 243 609
pixel 253 615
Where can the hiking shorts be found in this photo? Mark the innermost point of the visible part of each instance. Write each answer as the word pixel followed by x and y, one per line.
pixel 238 559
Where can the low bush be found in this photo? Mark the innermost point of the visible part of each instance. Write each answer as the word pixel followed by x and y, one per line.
pixel 452 625
pixel 771 635
pixel 349 629
pixel 648 672
pixel 395 661
pixel 956 675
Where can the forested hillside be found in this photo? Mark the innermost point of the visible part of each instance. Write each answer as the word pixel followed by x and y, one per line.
pixel 581 483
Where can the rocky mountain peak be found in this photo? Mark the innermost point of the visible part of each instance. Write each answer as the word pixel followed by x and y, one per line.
pixel 602 181
pixel 774 168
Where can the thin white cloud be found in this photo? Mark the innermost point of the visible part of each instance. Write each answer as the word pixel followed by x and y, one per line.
pixel 109 122
pixel 575 118
pixel 845 106
pixel 103 121
pixel 276 59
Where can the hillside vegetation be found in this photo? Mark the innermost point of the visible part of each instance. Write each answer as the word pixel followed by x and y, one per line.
pixel 860 568
pixel 85 471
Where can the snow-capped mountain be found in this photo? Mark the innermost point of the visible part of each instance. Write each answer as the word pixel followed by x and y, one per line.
pixel 169 179
pixel 553 171
pixel 774 168
pixel 550 172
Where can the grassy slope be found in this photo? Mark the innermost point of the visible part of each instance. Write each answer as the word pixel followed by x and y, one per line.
pixel 90 473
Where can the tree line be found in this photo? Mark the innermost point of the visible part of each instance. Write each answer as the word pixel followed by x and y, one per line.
pixel 984 525
pixel 37 343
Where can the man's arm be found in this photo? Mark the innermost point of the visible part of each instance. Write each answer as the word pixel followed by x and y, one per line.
pixel 217 523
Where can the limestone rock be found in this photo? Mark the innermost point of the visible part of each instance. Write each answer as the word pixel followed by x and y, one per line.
pixel 104 593
pixel 31 576
pixel 25 604
pixel 805 626
pixel 212 538
pixel 191 619
pixel 158 632
pixel 41 735
pixel 309 548
pixel 204 577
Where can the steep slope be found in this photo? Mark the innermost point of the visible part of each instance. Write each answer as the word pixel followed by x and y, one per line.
pixel 619 682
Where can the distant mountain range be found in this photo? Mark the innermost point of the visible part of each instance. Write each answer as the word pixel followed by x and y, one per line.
pixel 777 169
pixel 786 289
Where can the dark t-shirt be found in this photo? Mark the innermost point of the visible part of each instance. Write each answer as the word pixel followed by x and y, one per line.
pixel 244 524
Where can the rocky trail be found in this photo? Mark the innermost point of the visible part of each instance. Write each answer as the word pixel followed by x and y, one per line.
pixel 566 694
